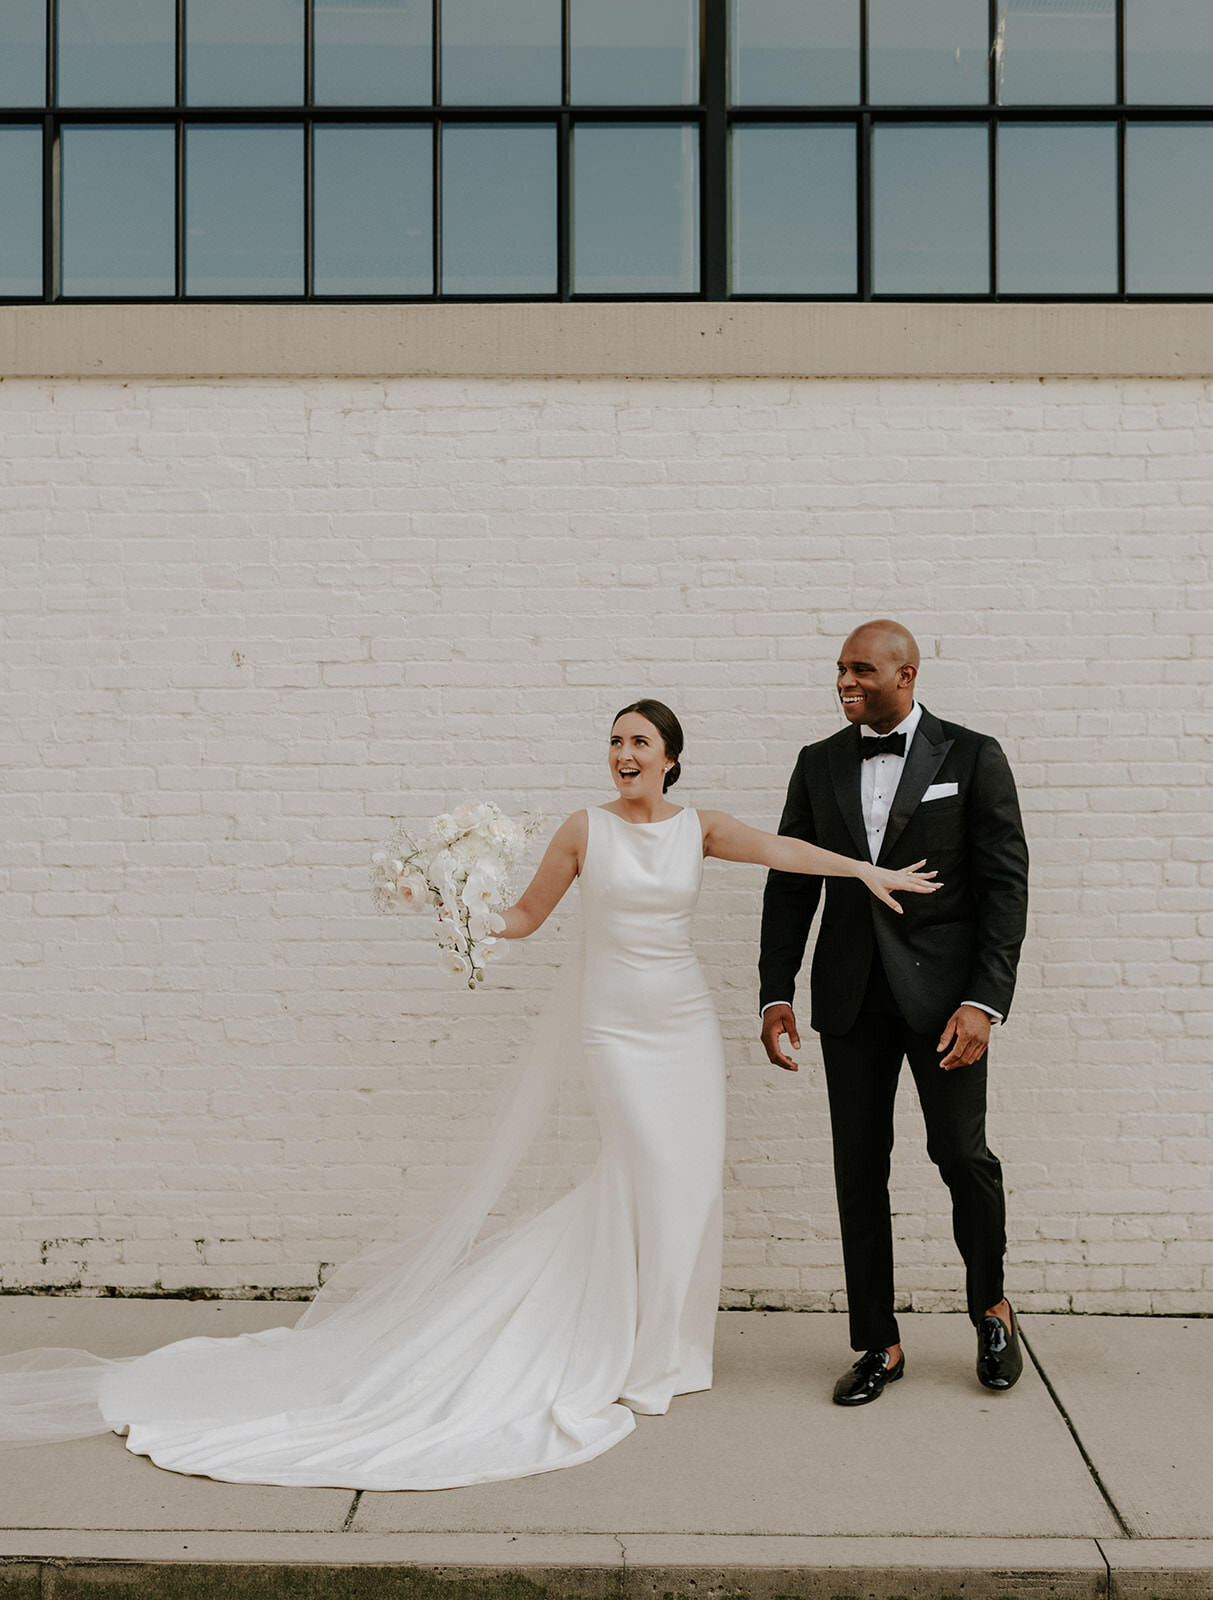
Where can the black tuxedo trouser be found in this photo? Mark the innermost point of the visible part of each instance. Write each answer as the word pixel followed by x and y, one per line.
pixel 862 1068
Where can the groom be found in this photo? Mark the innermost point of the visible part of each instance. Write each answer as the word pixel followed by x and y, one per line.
pixel 899 786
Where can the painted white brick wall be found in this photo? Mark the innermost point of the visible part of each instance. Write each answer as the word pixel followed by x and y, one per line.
pixel 245 623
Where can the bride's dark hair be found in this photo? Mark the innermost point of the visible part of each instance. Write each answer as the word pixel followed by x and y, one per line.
pixel 667 725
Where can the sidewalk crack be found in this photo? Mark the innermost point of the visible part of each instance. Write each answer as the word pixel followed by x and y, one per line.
pixel 1106 1562
pixel 623 1566
pixel 1124 1527
pixel 352 1512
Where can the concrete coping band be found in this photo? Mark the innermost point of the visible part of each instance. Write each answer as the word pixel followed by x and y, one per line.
pixel 632 339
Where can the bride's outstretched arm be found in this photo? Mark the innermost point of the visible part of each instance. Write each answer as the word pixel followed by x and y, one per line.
pixel 730 840
pixel 560 865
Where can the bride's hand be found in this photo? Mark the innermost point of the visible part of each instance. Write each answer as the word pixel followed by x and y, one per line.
pixel 885 882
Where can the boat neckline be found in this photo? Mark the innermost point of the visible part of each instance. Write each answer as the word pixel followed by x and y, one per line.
pixel 658 822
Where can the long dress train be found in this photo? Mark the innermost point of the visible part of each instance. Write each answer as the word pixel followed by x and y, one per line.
pixel 454 1359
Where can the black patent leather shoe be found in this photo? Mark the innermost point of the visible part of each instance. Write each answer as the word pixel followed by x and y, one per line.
pixel 866 1380
pixel 999 1357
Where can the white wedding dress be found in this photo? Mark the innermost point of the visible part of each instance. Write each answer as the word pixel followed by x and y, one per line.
pixel 454 1359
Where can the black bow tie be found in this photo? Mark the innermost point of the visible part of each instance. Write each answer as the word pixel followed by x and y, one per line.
pixel 892 744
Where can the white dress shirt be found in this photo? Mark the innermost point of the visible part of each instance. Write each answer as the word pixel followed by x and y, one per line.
pixel 878 780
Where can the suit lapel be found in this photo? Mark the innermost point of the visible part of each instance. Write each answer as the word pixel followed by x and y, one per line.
pixel 844 771
pixel 923 762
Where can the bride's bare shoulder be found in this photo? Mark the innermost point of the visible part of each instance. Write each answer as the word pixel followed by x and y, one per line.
pixel 714 818
pixel 573 831
pixel 726 836
pixel 713 821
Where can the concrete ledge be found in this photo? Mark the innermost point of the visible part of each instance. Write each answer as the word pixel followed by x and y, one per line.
pixel 564 1567
pixel 1160 1569
pixel 685 339
pixel 59 1564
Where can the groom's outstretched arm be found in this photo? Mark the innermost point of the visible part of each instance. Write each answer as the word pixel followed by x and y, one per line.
pixel 789 901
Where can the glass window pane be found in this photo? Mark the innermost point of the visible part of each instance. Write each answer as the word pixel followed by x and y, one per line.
pixel 499 208
pixel 1169 52
pixel 1055 52
pixel 21 208
pixel 928 52
pixel 1057 208
pixel 794 222
pixel 795 52
pixel 244 52
pixel 119 232
pixel 120 53
pixel 635 208
pixel 501 52
pixel 930 218
pixel 374 209
pixel 634 52
pixel 1168 233
pixel 373 52
pixel 243 210
pixel 23 53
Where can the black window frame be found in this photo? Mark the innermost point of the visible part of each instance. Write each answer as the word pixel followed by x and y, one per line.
pixel 712 115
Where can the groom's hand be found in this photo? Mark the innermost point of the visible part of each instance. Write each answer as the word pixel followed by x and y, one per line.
pixel 777 1020
pixel 968 1033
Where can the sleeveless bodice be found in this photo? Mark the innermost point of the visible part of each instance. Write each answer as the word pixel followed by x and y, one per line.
pixel 639 885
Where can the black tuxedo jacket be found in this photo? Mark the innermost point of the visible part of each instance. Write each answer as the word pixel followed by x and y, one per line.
pixel 959 944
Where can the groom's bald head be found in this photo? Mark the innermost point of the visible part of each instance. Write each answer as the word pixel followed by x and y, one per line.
pixel 888 639
pixel 876 673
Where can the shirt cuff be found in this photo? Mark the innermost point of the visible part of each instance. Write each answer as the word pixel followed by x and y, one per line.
pixel 989 1010
pixel 996 1016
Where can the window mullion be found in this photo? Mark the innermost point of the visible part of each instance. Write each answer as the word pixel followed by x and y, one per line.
pixel 863 188
pixel 714 151
pixel 564 218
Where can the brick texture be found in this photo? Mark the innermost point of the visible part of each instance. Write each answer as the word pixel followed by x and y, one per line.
pixel 246 623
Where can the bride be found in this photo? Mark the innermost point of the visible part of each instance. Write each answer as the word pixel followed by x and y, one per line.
pixel 452 1358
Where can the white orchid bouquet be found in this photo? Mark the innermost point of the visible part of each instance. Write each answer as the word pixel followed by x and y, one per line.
pixel 460 869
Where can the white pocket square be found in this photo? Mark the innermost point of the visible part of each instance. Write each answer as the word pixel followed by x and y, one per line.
pixel 941 791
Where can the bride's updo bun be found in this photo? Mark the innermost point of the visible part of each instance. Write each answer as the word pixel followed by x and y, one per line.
pixel 667 725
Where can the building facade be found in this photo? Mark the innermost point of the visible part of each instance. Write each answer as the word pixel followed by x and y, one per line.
pixel 276 572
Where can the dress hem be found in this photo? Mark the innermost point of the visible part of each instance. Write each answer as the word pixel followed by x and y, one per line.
pixel 286 1481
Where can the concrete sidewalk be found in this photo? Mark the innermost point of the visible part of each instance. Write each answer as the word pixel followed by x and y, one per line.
pixel 1094 1477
